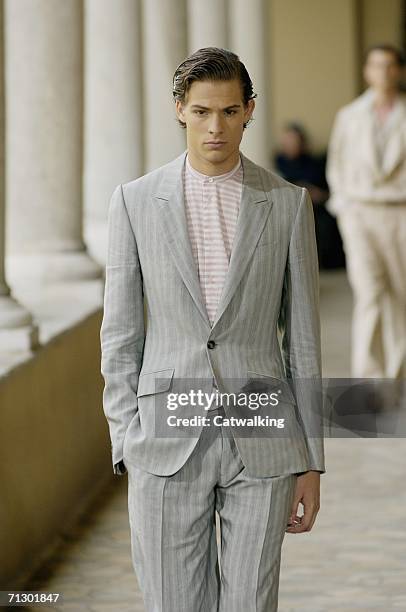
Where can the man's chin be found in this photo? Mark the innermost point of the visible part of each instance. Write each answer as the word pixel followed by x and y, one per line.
pixel 215 156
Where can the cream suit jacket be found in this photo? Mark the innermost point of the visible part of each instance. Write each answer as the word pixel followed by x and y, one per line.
pixel 355 172
pixel 272 283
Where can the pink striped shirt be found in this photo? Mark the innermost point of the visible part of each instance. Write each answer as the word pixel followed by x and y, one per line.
pixel 211 205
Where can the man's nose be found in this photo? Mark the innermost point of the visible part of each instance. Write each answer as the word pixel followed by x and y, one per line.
pixel 216 125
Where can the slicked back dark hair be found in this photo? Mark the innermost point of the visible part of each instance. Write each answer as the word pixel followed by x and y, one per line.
pixel 211 64
pixel 397 53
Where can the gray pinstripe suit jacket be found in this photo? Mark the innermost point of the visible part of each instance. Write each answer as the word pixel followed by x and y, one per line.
pixel 272 283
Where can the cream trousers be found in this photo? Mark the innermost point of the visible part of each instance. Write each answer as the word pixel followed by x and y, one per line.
pixel 374 238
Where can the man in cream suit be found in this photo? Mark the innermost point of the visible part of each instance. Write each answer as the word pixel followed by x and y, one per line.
pixel 221 253
pixel 366 172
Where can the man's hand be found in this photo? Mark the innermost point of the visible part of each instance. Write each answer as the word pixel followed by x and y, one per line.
pixel 308 493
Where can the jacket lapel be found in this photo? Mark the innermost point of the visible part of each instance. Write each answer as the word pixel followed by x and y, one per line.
pixel 172 216
pixel 371 151
pixel 253 213
pixel 393 151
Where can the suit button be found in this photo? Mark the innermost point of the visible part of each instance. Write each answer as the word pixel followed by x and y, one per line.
pixel 211 344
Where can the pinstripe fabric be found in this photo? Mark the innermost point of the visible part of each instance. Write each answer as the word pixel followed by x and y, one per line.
pixel 271 282
pixel 173 538
pixel 211 207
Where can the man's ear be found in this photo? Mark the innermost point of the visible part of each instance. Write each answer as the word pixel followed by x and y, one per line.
pixel 179 110
pixel 249 108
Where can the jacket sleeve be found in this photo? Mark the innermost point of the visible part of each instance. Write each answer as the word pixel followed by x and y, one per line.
pixel 334 166
pixel 122 333
pixel 299 324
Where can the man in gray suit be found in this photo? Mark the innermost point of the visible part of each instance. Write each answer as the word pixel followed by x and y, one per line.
pixel 221 254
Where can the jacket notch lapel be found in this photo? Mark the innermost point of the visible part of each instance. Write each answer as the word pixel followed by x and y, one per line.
pixel 171 214
pixel 253 213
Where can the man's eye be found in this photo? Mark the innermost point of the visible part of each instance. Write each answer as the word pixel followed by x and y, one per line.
pixel 231 112
pixel 199 112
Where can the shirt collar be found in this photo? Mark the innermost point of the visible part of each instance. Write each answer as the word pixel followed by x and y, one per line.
pixel 205 178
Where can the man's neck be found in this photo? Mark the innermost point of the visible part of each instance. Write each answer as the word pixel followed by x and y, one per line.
pixel 385 99
pixel 212 169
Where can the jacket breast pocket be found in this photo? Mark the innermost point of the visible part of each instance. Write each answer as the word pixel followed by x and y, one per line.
pixel 266 249
pixel 266 243
pixel 154 382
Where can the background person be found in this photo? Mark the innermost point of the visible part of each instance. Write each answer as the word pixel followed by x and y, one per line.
pixel 298 165
pixel 366 171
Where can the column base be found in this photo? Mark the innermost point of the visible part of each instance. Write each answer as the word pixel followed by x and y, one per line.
pixel 19 339
pixel 51 268
pixel 17 330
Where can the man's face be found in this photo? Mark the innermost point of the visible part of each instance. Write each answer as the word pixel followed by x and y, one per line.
pixel 214 114
pixel 381 71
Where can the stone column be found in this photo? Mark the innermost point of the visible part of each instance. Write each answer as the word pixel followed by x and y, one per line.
pixel 16 327
pixel 207 24
pixel 44 108
pixel 164 38
pixel 113 109
pixel 248 27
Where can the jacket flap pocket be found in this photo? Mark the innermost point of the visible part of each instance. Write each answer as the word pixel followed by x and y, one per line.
pixel 155 382
pixel 275 385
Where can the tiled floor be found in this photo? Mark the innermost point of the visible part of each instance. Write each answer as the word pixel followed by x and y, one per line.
pixel 353 559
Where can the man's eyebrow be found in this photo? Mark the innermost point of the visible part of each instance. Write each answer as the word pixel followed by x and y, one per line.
pixel 206 108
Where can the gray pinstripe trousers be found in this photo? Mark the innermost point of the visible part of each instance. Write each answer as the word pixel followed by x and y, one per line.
pixel 173 531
